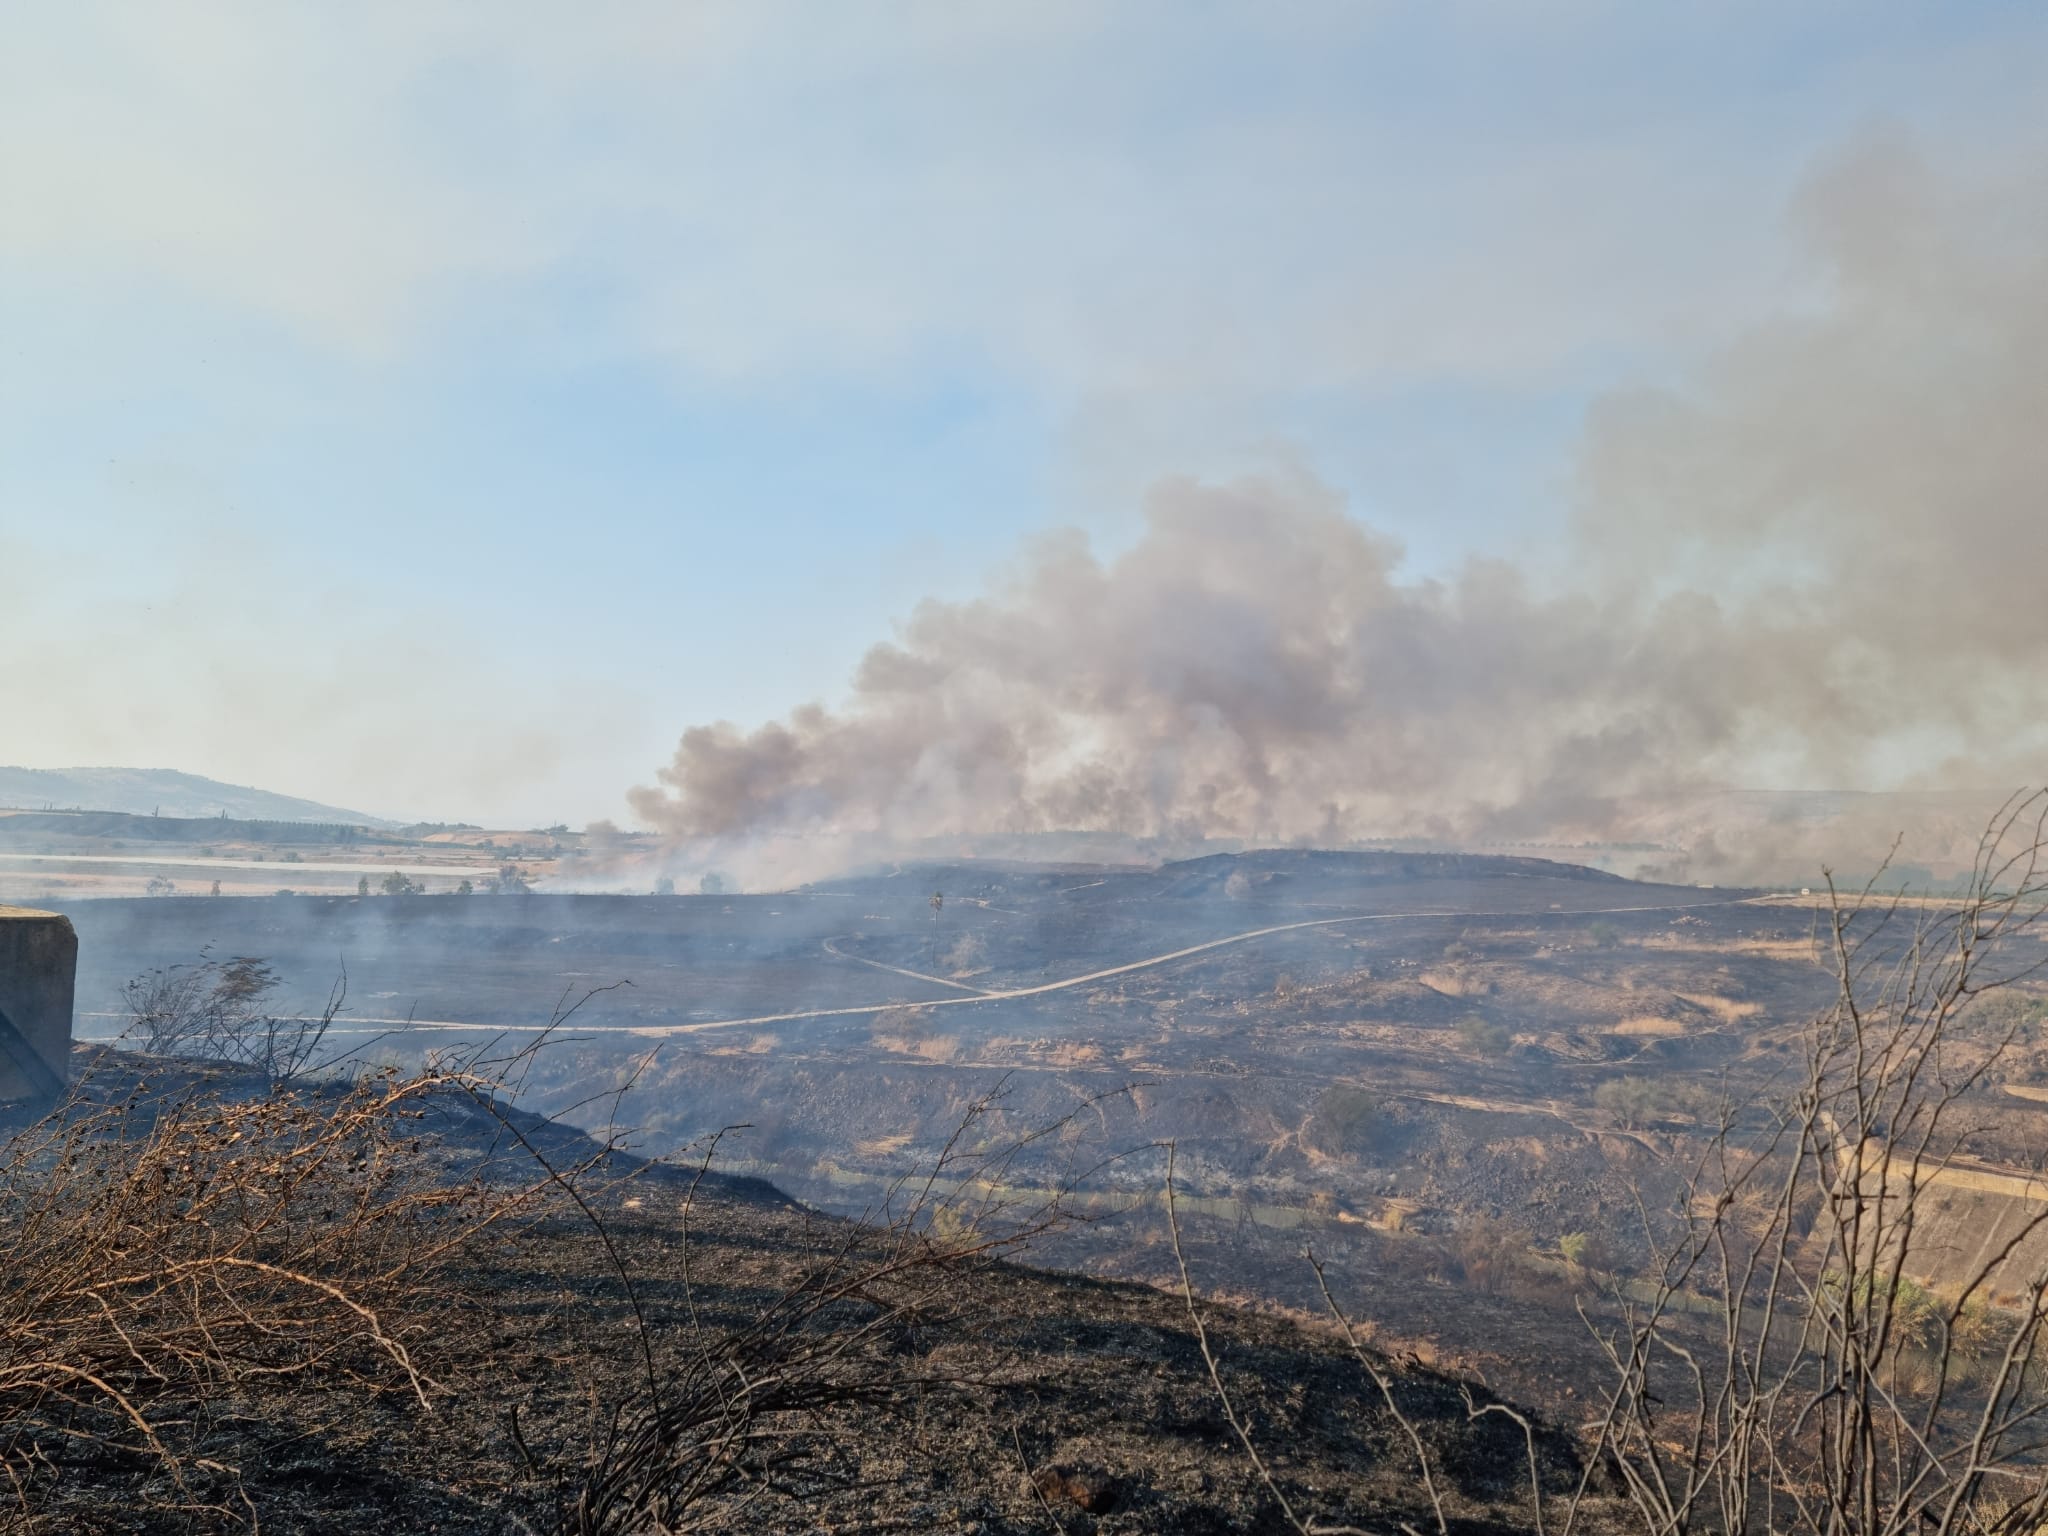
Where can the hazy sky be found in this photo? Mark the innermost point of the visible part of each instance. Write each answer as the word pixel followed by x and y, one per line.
pixel 437 408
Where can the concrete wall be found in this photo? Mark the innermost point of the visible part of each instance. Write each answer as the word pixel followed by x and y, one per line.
pixel 38 965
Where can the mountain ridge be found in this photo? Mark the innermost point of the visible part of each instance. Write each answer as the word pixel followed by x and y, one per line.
pixel 165 791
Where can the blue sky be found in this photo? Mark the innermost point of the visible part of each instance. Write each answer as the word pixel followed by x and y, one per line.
pixel 436 408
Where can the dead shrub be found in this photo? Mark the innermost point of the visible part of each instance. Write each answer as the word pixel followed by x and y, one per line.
pixel 738 1414
pixel 964 955
pixel 1343 1121
pixel 200 1238
pixel 1494 1255
pixel 218 1010
pixel 1783 1369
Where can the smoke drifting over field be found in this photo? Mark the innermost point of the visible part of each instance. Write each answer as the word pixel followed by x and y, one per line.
pixel 1816 563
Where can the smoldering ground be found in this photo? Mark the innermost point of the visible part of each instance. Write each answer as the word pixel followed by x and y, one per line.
pixel 1814 562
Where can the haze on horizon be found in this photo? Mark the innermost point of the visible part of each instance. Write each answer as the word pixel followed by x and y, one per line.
pixel 1288 423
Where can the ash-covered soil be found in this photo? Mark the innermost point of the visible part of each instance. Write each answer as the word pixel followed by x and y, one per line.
pixel 1471 1009
pixel 1012 1399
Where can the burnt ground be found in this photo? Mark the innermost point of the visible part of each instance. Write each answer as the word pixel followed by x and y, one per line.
pixel 1025 1401
pixel 1228 1052
pixel 1476 1009
pixel 696 959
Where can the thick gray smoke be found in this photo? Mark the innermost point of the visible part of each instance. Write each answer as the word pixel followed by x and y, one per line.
pixel 1819 563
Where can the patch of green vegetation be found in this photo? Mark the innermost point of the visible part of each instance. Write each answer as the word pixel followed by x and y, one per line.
pixel 1483 1036
pixel 2022 1015
pixel 1641 1101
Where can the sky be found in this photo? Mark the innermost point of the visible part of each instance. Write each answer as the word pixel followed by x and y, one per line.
pixel 436 409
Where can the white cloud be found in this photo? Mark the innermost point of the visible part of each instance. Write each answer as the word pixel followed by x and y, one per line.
pixel 1100 199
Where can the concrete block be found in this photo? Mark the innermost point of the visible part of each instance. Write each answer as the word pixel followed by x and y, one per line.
pixel 38 968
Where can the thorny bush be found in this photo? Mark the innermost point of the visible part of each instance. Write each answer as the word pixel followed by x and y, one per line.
pixel 1788 1367
pixel 176 1240
pixel 219 1010
pixel 191 1239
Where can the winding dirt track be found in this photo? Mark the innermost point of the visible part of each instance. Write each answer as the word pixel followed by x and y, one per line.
pixel 1008 994
pixel 662 1031
pixel 832 948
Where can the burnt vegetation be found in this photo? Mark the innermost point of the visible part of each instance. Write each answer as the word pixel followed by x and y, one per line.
pixel 392 1302
pixel 1781 1366
pixel 274 1270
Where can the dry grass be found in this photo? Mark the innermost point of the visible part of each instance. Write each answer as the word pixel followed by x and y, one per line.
pixel 1727 1009
pixel 1074 1053
pixel 1650 1026
pixel 188 1242
pixel 883 1146
pixel 1781 1369
pixel 191 1247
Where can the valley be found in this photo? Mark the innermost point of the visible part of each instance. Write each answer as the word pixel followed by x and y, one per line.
pixel 1441 1072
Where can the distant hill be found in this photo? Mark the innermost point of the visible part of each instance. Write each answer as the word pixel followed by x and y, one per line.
pixel 150 791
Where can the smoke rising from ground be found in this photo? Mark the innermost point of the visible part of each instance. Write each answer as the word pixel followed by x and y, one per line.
pixel 1816 563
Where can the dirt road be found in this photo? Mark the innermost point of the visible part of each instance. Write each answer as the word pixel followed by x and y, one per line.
pixel 832 948
pixel 1148 963
pixel 971 995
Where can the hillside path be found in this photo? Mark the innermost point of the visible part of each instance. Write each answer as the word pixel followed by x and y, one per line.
pixel 1149 962
pixel 662 1031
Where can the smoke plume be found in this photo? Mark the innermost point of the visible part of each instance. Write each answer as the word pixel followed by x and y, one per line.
pixel 1817 562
